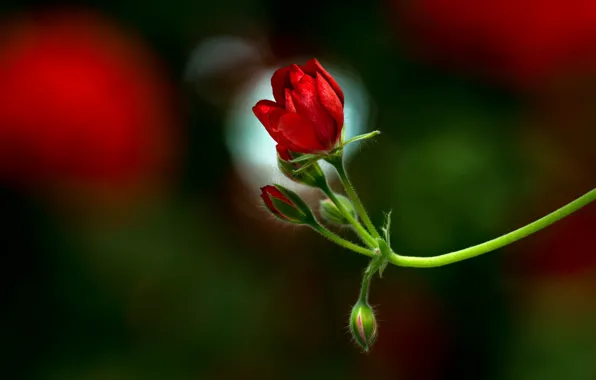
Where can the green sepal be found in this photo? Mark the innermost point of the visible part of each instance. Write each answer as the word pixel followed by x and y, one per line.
pixel 303 167
pixel 363 325
pixel 289 213
pixel 365 136
pixel 335 158
pixel 311 176
pixel 387 228
pixel 308 217
pixel 385 244
pixel 379 262
pixel 305 157
pixel 385 251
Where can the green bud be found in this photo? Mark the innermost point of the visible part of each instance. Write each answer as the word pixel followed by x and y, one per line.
pixel 363 325
pixel 331 213
pixel 286 205
pixel 310 176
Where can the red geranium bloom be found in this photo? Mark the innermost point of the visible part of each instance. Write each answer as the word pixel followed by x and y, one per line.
pixel 82 101
pixel 307 115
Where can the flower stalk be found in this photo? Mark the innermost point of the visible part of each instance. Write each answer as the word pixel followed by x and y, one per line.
pixel 341 241
pixel 307 122
pixel 358 228
pixel 491 245
pixel 338 163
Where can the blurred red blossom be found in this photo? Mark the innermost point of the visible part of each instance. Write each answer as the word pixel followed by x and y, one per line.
pixel 82 101
pixel 522 42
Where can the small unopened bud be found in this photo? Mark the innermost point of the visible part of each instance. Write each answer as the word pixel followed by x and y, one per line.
pixel 331 213
pixel 286 205
pixel 363 325
pixel 311 176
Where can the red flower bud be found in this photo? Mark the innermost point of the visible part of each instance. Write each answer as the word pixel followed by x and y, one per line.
pixel 308 113
pixel 280 205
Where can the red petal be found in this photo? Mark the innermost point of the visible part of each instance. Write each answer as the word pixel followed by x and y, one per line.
pixel 301 134
pixel 331 102
pixel 289 102
pixel 313 66
pixel 264 110
pixel 269 114
pixel 274 192
pixel 295 75
pixel 279 82
pixel 283 152
pixel 268 202
pixel 308 104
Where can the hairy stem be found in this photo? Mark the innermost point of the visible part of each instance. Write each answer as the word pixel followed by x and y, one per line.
pixel 360 231
pixel 341 170
pixel 341 241
pixel 491 245
pixel 365 287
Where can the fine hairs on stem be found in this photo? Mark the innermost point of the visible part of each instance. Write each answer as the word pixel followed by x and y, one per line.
pixel 305 135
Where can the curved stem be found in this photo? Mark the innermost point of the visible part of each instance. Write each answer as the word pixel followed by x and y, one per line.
pixel 341 170
pixel 360 231
pixel 365 287
pixel 342 242
pixel 491 245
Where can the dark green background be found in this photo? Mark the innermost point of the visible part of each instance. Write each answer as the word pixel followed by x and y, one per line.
pixel 201 284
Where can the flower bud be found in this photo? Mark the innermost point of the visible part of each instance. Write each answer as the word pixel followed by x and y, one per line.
pixel 286 205
pixel 311 176
pixel 308 113
pixel 363 325
pixel 331 213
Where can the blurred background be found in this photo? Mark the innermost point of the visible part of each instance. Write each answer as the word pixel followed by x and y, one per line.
pixel 134 245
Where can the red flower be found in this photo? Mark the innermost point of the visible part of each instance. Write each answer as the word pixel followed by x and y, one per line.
pixel 82 102
pixel 307 115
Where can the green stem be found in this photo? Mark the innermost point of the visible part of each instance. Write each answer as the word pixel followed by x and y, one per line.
pixel 341 170
pixel 365 287
pixel 342 242
pixel 361 231
pixel 491 245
